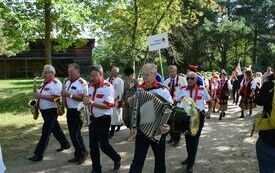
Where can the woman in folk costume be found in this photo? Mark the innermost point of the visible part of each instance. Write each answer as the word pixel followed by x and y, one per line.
pixel 224 88
pixel 118 84
pixel 213 87
pixel 130 86
pixel 247 91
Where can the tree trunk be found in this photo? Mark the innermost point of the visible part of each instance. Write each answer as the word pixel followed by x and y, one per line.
pixel 254 53
pixel 48 29
pixel 224 59
pixel 134 36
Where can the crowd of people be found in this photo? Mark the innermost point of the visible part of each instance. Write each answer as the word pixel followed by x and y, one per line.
pixel 110 105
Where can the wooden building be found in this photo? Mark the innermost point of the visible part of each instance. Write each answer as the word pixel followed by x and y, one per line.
pixel 30 63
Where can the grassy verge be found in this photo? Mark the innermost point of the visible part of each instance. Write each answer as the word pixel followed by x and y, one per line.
pixel 19 133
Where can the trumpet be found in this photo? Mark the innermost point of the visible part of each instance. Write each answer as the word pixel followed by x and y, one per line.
pixel 60 102
pixel 33 102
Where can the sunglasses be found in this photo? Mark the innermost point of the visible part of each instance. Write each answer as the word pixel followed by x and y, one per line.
pixel 191 78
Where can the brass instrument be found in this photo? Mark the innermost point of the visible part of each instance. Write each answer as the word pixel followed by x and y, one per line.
pixel 33 102
pixel 60 102
pixel 84 110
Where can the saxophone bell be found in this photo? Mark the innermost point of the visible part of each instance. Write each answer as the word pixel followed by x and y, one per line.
pixel 33 102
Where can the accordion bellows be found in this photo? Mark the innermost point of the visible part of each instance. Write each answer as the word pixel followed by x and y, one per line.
pixel 150 112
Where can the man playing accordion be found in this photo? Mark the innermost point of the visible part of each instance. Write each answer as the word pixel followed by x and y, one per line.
pixel 199 95
pixel 142 143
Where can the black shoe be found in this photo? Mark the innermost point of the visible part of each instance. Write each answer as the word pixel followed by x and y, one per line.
pixel 189 170
pixel 170 141
pixel 73 159
pixel 35 158
pixel 221 115
pixel 118 128
pixel 117 165
pixel 63 148
pixel 83 158
pixel 242 115
pixel 110 136
pixel 96 171
pixel 184 162
pixel 176 144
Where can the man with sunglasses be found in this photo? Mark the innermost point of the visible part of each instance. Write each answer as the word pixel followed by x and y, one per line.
pixel 200 95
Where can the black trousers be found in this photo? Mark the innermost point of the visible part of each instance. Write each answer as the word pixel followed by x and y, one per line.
pixel 75 123
pixel 235 94
pixel 141 147
pixel 192 143
pixel 50 125
pixel 175 136
pixel 98 134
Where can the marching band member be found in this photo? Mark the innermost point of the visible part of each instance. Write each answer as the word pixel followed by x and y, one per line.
pixel 72 94
pixel 130 86
pixel 118 84
pixel 149 72
pixel 48 91
pixel 199 94
pixel 247 91
pixel 174 82
pixel 101 100
pixel 224 88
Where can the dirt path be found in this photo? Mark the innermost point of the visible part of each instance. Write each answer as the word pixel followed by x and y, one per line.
pixel 225 147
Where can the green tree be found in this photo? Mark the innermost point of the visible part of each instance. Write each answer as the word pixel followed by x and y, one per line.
pixel 25 21
pixel 128 23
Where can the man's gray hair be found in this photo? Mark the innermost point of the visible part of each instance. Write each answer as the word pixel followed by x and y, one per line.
pixel 192 74
pixel 172 67
pixel 115 68
pixel 97 68
pixel 49 68
pixel 153 68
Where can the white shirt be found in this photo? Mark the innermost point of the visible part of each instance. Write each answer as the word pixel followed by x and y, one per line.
pixel 118 85
pixel 179 81
pixel 77 87
pixel 160 90
pixel 253 83
pixel 202 96
pixel 103 94
pixel 53 88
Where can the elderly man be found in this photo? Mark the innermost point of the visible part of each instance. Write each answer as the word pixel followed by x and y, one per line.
pixel 199 94
pixel 48 91
pixel 118 84
pixel 149 72
pixel 174 82
pixel 101 101
pixel 75 86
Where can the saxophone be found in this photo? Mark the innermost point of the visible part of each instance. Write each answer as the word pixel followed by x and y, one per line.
pixel 60 102
pixel 33 102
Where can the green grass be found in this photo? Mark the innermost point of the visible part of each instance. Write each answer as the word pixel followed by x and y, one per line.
pixel 19 133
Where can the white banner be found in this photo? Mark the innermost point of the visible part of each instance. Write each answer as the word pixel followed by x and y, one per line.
pixel 2 166
pixel 159 41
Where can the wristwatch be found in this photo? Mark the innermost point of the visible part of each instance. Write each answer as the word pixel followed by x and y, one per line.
pixel 71 96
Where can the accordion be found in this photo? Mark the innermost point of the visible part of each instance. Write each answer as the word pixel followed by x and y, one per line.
pixel 149 113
